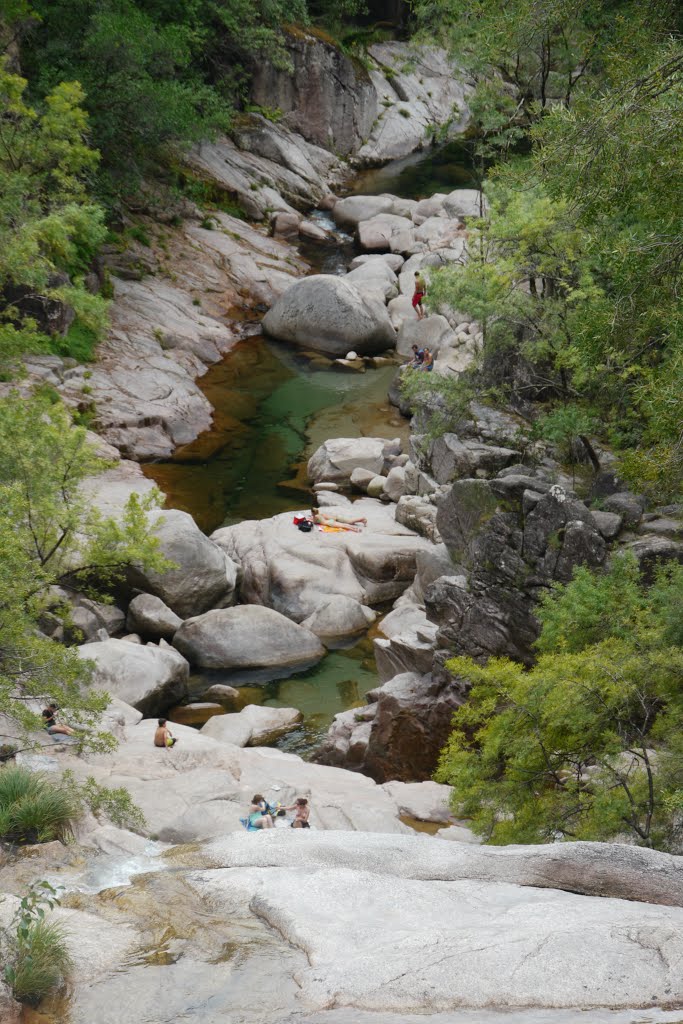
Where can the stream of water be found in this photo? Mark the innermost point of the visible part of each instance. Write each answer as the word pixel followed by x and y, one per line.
pixel 274 405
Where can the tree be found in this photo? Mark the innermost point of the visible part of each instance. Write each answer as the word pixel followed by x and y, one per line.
pixel 542 50
pixel 50 535
pixel 575 273
pixel 47 223
pixel 154 74
pixel 588 743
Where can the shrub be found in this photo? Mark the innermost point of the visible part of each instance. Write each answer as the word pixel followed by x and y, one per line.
pixel 79 343
pixel 33 808
pixel 34 951
pixel 140 235
pixel 42 963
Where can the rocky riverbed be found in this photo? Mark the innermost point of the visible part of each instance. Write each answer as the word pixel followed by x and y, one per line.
pixel 360 918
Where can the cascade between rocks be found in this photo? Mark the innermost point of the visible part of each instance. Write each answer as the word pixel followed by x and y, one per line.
pixel 262 634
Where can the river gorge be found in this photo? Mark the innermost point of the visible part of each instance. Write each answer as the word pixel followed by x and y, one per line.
pixel 251 371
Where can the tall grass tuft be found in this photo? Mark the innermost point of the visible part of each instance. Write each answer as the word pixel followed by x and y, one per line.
pixel 34 808
pixel 42 964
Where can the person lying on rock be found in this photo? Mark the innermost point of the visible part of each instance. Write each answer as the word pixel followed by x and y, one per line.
pixel 259 816
pixel 51 725
pixel 303 812
pixel 419 294
pixel 162 736
pixel 341 522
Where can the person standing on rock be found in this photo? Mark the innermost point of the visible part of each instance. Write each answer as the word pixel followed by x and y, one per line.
pixel 420 292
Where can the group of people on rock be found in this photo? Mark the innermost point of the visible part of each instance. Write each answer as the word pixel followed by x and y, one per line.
pixel 262 815
pixel 422 359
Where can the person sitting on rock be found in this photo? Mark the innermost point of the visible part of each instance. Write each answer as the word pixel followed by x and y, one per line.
pixel 340 522
pixel 428 361
pixel 418 358
pixel 162 736
pixel 259 816
pixel 51 725
pixel 419 294
pixel 303 812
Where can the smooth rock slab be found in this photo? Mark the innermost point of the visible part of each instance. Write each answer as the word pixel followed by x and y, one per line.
pixel 254 726
pixel 248 636
pixel 428 945
pixel 296 573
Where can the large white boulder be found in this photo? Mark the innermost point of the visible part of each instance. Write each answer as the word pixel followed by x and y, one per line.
pixel 465 202
pixel 376 234
pixel 375 279
pixel 149 678
pixel 296 573
pixel 348 212
pixel 244 637
pixel 339 617
pixel 391 259
pixel 203 578
pixel 331 315
pixel 337 458
pixel 431 332
pixel 150 618
pixel 253 726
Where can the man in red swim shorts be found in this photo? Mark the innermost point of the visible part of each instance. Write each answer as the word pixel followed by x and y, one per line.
pixel 420 292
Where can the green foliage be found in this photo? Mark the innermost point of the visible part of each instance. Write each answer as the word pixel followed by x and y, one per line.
pixel 36 955
pixel 47 223
pixel 272 114
pixel 51 534
pixel 588 743
pixel 437 401
pixel 79 343
pixel 115 804
pixel 34 808
pixel 154 74
pixel 575 274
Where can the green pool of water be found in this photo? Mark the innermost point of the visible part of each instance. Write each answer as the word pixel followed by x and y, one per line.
pixel 337 683
pixel 273 407
pixel 420 175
